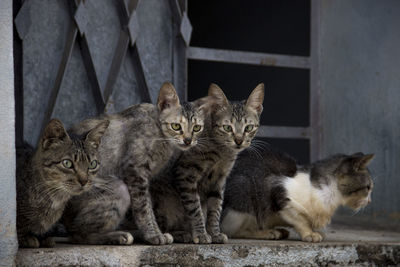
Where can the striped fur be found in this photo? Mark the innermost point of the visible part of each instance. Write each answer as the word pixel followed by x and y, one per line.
pixel 188 197
pixel 138 144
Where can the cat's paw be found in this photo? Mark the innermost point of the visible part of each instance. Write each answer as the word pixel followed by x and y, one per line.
pixel 120 238
pixel 219 238
pixel 201 238
pixel 182 237
pixel 28 241
pixel 48 242
pixel 159 239
pixel 313 237
pixel 276 234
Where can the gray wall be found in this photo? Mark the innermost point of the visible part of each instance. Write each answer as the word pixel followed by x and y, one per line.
pixel 360 82
pixel 8 243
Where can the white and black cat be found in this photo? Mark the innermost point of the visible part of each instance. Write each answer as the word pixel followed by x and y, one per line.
pixel 263 194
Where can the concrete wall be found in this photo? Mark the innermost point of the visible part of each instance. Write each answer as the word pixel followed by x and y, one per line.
pixel 8 243
pixel 360 81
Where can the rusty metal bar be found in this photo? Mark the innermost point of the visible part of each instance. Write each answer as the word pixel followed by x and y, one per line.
pixel 253 58
pixel 315 93
pixel 69 45
pixel 284 132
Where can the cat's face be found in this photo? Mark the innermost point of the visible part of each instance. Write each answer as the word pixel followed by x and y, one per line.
pixel 69 163
pixel 354 180
pixel 183 123
pixel 236 123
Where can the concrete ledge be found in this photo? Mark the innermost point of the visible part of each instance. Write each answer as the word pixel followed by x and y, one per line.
pixel 370 247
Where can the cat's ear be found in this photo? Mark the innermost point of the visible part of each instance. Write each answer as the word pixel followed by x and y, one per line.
pixel 256 99
pixel 167 98
pixel 53 134
pixel 216 92
pixel 361 161
pixel 93 137
pixel 204 104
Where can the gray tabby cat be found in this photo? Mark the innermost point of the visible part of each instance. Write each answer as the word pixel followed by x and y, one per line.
pixel 62 166
pixel 261 195
pixel 137 145
pixel 188 198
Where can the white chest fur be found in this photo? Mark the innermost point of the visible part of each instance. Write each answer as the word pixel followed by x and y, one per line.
pixel 317 204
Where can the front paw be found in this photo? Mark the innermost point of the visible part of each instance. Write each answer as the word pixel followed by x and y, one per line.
pixel 201 238
pixel 313 237
pixel 159 239
pixel 28 241
pixel 219 238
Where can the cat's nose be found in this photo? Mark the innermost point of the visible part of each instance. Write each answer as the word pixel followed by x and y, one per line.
pixel 82 180
pixel 238 141
pixel 187 141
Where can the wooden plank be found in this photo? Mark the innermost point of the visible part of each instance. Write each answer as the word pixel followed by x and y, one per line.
pixel 252 58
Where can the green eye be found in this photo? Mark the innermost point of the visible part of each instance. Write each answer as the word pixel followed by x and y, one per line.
pixel 176 126
pixel 249 128
pixel 228 128
pixel 196 128
pixel 67 163
pixel 93 164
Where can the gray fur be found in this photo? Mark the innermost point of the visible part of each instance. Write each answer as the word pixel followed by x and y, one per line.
pixel 45 184
pixel 188 197
pixel 138 145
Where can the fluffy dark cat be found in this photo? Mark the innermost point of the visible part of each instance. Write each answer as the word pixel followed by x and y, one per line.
pixel 138 144
pixel 62 166
pixel 262 194
pixel 188 198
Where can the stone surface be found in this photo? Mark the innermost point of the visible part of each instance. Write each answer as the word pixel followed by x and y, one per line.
pixel 343 247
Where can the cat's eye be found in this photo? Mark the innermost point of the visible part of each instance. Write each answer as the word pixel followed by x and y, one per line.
pixel 93 164
pixel 196 128
pixel 67 163
pixel 176 126
pixel 228 128
pixel 249 128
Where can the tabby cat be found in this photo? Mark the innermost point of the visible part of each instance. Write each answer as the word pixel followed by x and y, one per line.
pixel 137 145
pixel 62 166
pixel 261 195
pixel 188 198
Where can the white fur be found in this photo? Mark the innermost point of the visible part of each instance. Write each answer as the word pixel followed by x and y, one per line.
pixel 234 221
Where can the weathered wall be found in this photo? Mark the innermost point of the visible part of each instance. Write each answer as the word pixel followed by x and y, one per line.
pixel 8 243
pixel 360 80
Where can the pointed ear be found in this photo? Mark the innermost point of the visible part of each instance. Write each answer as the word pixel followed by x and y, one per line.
pixel 167 97
pixel 361 161
pixel 219 97
pixel 256 99
pixel 204 104
pixel 53 133
pixel 93 137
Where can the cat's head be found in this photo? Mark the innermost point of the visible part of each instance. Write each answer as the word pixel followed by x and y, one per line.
pixel 69 162
pixel 181 123
pixel 235 124
pixel 354 180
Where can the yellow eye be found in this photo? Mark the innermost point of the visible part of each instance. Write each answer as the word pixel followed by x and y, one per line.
pixel 176 126
pixel 67 163
pixel 196 128
pixel 249 128
pixel 93 164
pixel 228 128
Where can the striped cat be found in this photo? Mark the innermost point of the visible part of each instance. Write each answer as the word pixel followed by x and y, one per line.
pixel 188 198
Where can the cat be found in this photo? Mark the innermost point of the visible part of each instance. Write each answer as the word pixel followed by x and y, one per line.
pixel 188 197
pixel 261 195
pixel 62 166
pixel 139 143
